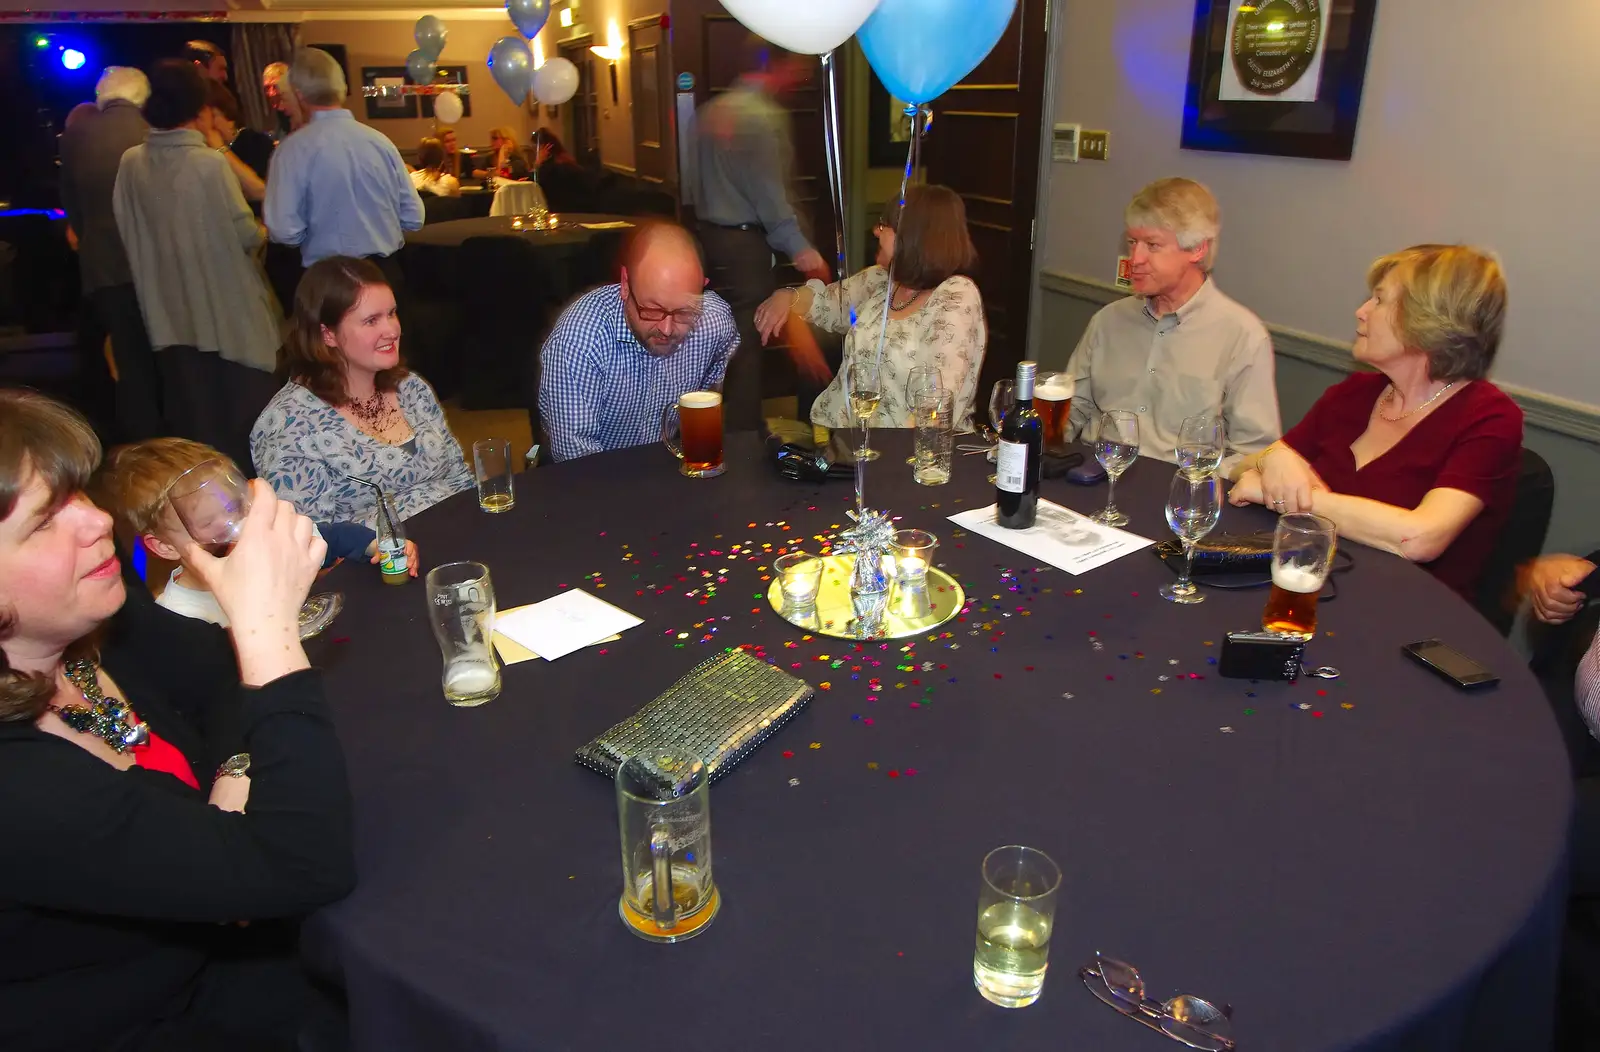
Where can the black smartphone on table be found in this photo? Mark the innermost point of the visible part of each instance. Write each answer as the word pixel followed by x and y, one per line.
pixel 1450 663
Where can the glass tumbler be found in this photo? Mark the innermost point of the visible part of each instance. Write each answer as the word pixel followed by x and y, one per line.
pixel 799 577
pixel 461 606
pixel 664 812
pixel 491 457
pixel 934 414
pixel 1016 914
pixel 912 552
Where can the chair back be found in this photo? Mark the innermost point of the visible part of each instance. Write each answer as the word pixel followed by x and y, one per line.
pixel 1521 539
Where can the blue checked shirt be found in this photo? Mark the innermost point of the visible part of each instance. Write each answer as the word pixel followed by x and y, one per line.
pixel 600 389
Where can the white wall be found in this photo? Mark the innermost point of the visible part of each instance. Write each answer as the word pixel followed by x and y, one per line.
pixel 1477 124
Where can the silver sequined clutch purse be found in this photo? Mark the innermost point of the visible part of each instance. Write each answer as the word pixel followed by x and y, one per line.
pixel 722 710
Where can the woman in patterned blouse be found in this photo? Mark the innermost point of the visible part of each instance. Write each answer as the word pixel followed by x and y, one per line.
pixel 935 312
pixel 351 408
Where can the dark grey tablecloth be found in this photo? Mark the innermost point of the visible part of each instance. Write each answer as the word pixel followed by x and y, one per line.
pixel 570 232
pixel 1381 869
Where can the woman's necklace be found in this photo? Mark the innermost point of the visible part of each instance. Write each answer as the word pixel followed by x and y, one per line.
pixel 902 306
pixel 369 410
pixel 108 719
pixel 1388 399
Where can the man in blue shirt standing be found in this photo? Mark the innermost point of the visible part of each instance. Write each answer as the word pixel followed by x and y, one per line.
pixel 337 187
pixel 619 355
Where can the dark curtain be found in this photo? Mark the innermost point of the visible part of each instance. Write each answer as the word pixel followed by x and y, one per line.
pixel 256 45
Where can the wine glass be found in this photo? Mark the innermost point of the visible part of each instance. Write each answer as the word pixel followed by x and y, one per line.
pixel 865 394
pixel 1201 444
pixel 1194 503
pixel 1116 447
pixel 999 401
pixel 212 499
pixel 924 379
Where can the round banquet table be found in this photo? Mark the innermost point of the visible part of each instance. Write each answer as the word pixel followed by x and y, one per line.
pixel 1372 863
pixel 571 231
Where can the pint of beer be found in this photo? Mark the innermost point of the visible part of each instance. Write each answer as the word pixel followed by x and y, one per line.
pixel 1052 399
pixel 692 429
pixel 1303 546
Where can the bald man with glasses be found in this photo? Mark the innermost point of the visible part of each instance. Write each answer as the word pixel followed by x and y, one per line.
pixel 620 354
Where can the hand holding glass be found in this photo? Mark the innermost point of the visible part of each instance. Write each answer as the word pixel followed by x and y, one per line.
pixel 1194 503
pixel 1116 448
pixel 1303 546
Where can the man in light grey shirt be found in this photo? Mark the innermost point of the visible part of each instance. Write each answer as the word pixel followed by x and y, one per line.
pixel 1179 347
pixel 743 159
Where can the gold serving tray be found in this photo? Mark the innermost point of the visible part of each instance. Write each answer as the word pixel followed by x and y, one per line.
pixel 837 618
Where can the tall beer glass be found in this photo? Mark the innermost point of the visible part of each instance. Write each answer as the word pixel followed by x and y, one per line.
pixel 692 428
pixel 1302 557
pixel 1052 399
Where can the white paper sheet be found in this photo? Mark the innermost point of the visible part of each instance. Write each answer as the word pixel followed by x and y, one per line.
pixel 1063 538
pixel 564 623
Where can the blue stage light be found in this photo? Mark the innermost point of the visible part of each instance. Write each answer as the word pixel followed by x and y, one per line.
pixel 72 58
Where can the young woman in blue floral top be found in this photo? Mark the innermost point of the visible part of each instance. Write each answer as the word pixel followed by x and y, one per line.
pixel 351 408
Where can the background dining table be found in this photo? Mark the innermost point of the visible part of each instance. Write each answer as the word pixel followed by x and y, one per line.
pixel 1375 862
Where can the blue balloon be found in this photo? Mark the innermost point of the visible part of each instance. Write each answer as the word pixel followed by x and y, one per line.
pixel 529 16
pixel 511 65
pixel 420 68
pixel 429 34
pixel 919 48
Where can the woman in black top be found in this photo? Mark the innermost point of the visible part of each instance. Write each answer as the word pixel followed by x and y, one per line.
pixel 127 860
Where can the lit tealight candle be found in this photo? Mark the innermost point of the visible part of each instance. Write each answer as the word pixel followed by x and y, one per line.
pixel 911 566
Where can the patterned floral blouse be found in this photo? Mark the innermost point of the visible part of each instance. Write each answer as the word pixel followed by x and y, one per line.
pixel 947 331
pixel 305 448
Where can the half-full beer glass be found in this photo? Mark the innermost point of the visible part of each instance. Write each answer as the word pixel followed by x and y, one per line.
pixel 1052 399
pixel 1302 557
pixel 664 811
pixel 692 428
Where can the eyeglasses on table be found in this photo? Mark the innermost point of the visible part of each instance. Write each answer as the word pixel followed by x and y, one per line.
pixel 1187 1019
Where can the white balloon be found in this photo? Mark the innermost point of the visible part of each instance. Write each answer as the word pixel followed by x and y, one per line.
pixel 809 27
pixel 447 107
pixel 555 82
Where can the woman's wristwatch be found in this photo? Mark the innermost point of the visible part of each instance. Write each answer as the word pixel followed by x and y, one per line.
pixel 234 766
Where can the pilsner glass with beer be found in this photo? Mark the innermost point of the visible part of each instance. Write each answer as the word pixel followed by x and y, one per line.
pixel 692 428
pixel 1052 400
pixel 1302 557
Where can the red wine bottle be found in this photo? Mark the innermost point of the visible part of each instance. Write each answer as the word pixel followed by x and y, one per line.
pixel 1016 477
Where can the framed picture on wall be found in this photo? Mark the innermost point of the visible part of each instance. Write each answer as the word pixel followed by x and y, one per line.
pixel 1279 77
pixel 390 100
pixel 447 75
pixel 888 128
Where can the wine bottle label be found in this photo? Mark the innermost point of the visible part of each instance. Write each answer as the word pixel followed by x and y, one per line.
pixel 394 557
pixel 1011 467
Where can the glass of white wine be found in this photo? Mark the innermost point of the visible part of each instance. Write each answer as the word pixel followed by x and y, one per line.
pixel 1201 444
pixel 865 394
pixel 1116 448
pixel 1016 913
pixel 1194 503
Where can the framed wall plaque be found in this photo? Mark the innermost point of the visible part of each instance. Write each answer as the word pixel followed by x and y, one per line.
pixel 1277 77
pixel 391 101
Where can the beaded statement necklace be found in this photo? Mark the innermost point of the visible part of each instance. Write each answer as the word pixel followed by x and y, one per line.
pixel 108 719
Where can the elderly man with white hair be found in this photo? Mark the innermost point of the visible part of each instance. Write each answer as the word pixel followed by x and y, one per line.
pixel 91 151
pixel 336 186
pixel 1178 347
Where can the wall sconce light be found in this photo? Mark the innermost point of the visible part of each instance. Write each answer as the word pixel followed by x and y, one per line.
pixel 566 18
pixel 538 53
pixel 611 52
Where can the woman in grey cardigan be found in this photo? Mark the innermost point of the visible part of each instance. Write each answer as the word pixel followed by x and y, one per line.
pixel 193 246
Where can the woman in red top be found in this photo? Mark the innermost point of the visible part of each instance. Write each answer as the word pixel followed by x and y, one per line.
pixel 1420 457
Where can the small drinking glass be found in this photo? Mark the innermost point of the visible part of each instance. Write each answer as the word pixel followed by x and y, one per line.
pixel 492 459
pixel 999 401
pixel 1202 442
pixel 461 606
pixel 1016 914
pixel 799 578
pixel 912 555
pixel 934 414
pixel 211 499
pixel 1116 448
pixel 866 393
pixel 1194 503
pixel 1303 547
pixel 922 379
